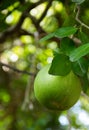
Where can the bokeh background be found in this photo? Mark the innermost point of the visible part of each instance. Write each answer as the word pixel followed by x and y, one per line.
pixel 22 24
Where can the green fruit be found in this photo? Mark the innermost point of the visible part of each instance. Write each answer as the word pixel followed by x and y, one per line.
pixel 56 92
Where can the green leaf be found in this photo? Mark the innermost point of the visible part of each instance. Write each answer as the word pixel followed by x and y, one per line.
pixel 57 51
pixel 79 52
pixel 78 1
pixel 60 33
pixel 65 31
pixel 83 37
pixel 85 83
pixel 80 67
pixel 60 65
pixel 67 45
pixel 47 37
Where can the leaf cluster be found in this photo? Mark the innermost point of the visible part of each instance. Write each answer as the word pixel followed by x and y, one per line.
pixel 70 56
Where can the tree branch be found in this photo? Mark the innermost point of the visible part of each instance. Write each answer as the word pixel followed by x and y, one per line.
pixel 15 29
pixel 27 99
pixel 16 70
pixel 24 32
pixel 36 24
pixel 78 20
pixel 45 11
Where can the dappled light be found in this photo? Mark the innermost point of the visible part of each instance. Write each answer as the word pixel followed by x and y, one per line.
pixel 33 34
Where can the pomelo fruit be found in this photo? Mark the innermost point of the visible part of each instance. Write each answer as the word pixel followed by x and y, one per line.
pixel 56 92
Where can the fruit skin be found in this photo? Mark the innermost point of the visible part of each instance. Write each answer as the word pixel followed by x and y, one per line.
pixel 56 92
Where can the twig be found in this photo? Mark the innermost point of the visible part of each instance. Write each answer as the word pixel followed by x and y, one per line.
pixel 78 20
pixel 29 86
pixel 28 89
pixel 69 120
pixel 36 24
pixel 17 70
pixel 24 32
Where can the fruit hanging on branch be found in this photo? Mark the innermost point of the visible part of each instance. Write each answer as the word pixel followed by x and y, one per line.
pixel 56 92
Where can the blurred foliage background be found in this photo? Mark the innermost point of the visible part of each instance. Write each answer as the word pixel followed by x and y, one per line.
pixel 22 24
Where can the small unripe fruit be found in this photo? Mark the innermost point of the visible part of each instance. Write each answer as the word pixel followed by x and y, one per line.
pixel 56 92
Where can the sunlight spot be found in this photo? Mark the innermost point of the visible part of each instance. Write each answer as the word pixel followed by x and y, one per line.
pixel 9 19
pixel 59 7
pixel 63 120
pixel 84 117
pixel 5 11
pixel 50 12
pixel 31 106
pixel 33 1
pixel 6 69
pixel 13 57
pixel 34 11
pixel 49 59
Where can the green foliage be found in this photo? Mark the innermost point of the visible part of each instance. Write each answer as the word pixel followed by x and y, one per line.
pixel 79 52
pixel 60 33
pixel 67 46
pixel 59 63
pixel 80 67
pixel 83 37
